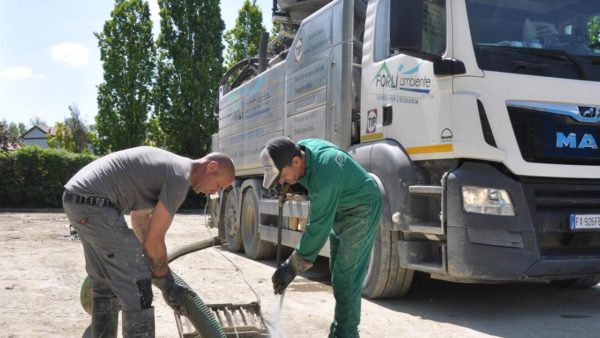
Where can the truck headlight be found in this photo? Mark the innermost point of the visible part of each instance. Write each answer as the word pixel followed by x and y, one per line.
pixel 489 201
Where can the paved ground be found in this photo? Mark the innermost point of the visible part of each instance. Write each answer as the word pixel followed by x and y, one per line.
pixel 41 270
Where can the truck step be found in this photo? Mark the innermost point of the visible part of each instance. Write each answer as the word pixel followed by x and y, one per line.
pixel 430 267
pixel 427 228
pixel 426 256
pixel 424 208
pixel 425 189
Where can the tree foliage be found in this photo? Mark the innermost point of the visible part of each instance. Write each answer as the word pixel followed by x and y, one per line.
pixel 155 135
pixel 72 134
pixel 16 130
pixel 188 73
pixel 244 38
pixel 62 139
pixel 7 138
pixel 128 55
pixel 593 31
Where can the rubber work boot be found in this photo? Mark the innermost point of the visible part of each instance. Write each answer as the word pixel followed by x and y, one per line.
pixel 105 317
pixel 138 323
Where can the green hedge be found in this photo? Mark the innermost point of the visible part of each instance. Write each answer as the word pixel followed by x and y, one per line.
pixel 34 177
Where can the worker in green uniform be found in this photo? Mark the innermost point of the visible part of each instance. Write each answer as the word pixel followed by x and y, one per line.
pixel 345 206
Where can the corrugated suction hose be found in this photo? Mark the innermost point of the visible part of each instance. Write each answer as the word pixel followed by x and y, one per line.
pixel 199 314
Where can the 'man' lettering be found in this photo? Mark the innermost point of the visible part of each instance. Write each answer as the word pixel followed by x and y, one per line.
pixel 563 141
pixel 587 142
pixel 570 141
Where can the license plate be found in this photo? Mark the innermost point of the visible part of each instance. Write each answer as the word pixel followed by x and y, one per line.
pixel 584 222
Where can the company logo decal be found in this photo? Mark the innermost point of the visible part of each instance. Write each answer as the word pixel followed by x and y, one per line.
pixel 340 160
pixel 298 51
pixel 589 112
pixel 572 141
pixel 371 121
pixel 446 135
pixel 403 80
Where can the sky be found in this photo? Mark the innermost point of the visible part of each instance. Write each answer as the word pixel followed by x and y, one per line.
pixel 49 56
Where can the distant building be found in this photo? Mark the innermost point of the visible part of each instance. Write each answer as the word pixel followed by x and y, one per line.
pixel 36 136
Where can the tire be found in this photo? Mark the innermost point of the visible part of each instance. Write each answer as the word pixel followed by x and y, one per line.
pixel 577 283
pixel 232 232
pixel 255 247
pixel 385 278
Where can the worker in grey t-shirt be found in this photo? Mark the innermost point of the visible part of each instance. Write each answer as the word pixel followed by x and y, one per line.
pixel 152 184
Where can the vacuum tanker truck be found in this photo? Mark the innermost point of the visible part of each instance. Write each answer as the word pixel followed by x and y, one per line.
pixel 479 119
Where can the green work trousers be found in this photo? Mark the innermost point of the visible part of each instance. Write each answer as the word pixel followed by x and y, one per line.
pixel 351 241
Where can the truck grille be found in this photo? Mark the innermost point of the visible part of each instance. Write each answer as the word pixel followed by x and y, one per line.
pixel 552 202
pixel 555 136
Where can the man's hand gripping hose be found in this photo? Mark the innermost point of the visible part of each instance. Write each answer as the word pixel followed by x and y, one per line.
pixel 173 293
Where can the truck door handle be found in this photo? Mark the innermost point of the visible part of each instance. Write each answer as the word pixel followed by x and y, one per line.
pixel 387 114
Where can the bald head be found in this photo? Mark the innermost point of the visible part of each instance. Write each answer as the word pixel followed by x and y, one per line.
pixel 211 173
pixel 225 162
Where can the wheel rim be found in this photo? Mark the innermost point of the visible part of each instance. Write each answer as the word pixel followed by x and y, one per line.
pixel 230 217
pixel 254 246
pixel 231 227
pixel 249 228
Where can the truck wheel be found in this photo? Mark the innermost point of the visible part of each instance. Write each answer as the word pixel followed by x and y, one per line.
pixel 577 283
pixel 385 278
pixel 232 232
pixel 255 247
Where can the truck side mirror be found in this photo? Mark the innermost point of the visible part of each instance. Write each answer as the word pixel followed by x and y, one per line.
pixel 406 24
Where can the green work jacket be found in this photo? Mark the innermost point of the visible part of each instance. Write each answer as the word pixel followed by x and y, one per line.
pixel 336 183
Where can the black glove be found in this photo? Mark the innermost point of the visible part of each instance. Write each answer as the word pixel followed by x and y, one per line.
pixel 282 277
pixel 173 293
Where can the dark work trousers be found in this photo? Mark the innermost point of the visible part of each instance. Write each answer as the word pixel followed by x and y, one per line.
pixel 114 257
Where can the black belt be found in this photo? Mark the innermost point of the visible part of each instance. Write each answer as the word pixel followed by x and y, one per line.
pixel 90 200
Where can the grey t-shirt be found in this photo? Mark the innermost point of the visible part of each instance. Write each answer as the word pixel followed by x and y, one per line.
pixel 136 179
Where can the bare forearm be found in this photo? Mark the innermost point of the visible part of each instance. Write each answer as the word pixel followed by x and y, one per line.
pixel 156 254
pixel 154 241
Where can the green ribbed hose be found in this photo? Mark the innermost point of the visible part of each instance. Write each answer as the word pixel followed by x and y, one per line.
pixel 199 314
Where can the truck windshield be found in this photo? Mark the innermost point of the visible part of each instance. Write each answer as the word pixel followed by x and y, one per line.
pixel 554 38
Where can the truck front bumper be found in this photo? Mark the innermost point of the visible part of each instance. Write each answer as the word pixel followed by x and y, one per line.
pixel 536 243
